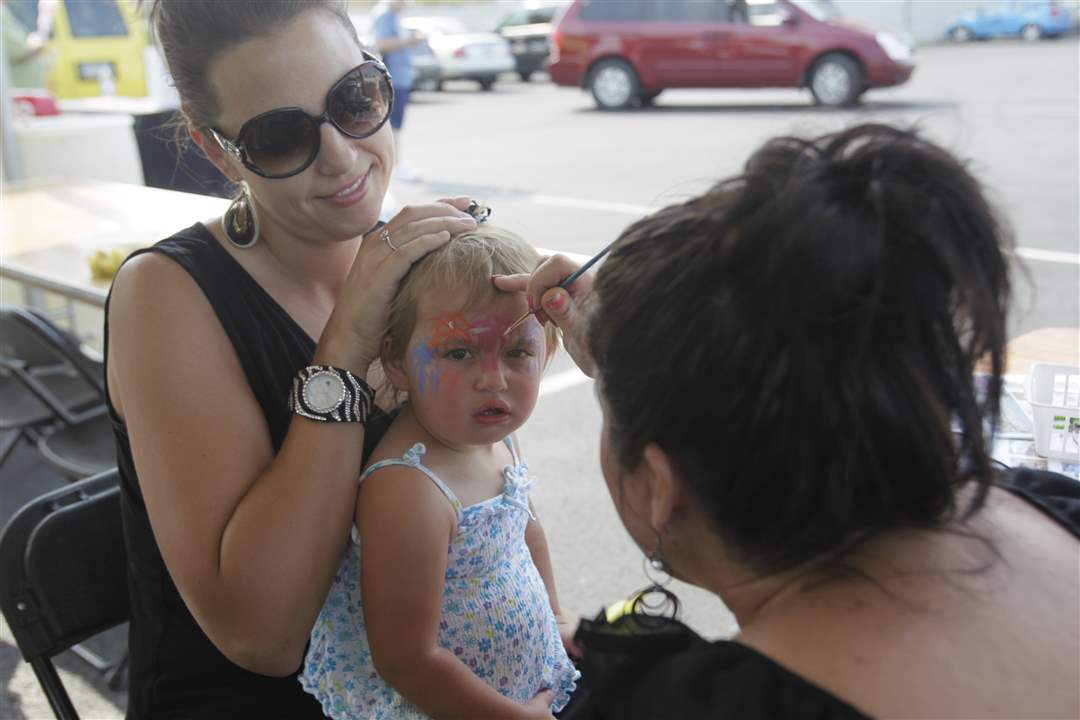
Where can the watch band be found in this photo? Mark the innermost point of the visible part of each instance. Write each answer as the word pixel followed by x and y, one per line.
pixel 353 405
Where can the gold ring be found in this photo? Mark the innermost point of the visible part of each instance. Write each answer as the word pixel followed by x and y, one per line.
pixel 385 236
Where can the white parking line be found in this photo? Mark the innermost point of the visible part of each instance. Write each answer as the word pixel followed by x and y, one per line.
pixel 1050 256
pixel 562 381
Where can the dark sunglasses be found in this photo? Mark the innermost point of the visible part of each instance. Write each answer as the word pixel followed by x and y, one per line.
pixel 283 142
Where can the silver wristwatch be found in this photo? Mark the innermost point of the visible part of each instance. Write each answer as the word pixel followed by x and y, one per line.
pixel 330 394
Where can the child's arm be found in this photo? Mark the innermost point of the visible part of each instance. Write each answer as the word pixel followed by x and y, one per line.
pixel 538 548
pixel 405 525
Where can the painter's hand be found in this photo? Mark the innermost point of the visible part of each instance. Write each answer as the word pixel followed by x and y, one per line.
pixel 562 307
pixel 539 708
pixel 354 333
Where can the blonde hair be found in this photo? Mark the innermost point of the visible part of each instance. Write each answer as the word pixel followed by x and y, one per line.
pixel 466 263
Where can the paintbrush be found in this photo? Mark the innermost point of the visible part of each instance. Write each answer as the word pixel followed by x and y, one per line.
pixel 564 285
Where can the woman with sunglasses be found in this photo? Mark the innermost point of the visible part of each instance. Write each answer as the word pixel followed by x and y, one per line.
pixel 238 351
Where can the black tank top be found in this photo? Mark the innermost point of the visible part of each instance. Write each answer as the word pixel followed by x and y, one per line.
pixel 174 669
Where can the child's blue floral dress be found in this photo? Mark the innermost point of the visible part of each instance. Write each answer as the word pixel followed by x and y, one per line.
pixel 496 615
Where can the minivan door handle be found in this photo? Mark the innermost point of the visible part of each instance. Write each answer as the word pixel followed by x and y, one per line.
pixel 718 36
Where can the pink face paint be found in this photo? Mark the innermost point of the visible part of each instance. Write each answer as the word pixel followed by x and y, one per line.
pixel 484 335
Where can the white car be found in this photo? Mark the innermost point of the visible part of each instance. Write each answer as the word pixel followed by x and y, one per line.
pixel 464 55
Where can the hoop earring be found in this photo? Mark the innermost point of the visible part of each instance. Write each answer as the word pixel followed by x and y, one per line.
pixel 240 222
pixel 655 604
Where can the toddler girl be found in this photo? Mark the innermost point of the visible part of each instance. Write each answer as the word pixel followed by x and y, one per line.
pixel 445 604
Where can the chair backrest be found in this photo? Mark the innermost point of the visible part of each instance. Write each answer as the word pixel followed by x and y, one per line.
pixel 63 575
pixel 32 347
pixel 29 336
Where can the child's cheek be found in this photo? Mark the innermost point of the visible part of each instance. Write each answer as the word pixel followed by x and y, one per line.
pixel 449 380
pixel 425 367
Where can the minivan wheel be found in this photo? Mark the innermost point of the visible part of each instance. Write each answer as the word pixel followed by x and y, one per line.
pixel 614 84
pixel 1031 32
pixel 836 80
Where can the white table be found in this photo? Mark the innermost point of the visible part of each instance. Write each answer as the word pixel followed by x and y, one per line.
pixel 51 229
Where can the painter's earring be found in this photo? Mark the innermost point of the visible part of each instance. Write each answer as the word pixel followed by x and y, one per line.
pixel 655 603
pixel 240 222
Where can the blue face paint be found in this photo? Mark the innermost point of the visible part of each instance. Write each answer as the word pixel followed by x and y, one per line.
pixel 422 356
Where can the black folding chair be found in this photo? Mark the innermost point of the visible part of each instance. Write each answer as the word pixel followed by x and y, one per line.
pixel 42 367
pixel 63 577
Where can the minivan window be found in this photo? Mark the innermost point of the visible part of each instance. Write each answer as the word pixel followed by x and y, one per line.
pixel 616 10
pixel 691 11
pixel 764 13
pixel 820 10
pixel 95 18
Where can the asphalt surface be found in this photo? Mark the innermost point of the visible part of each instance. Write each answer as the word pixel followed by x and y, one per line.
pixel 569 177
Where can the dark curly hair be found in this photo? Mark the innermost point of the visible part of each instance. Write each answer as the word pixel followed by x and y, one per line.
pixel 800 338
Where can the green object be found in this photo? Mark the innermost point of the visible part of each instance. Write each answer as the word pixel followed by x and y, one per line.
pixel 28 68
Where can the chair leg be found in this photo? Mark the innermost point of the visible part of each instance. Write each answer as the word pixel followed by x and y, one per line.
pixel 116 678
pixel 8 442
pixel 54 689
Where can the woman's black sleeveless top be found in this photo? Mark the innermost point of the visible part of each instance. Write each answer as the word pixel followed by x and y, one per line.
pixel 174 669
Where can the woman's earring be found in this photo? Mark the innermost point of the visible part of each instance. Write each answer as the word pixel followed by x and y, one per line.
pixel 656 602
pixel 240 222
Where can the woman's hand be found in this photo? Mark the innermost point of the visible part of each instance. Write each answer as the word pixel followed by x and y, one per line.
pixel 539 708
pixel 563 307
pixel 355 329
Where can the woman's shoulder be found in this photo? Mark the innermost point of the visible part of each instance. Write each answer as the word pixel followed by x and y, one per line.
pixel 659 668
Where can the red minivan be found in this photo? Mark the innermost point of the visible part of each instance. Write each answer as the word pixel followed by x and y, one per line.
pixel 627 51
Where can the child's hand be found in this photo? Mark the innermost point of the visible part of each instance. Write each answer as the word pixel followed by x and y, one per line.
pixel 567 628
pixel 539 708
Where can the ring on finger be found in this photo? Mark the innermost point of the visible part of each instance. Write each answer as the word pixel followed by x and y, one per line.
pixel 385 237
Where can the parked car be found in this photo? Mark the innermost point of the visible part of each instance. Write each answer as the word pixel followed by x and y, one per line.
pixel 1028 20
pixel 427 73
pixel 463 55
pixel 627 52
pixel 97 47
pixel 528 31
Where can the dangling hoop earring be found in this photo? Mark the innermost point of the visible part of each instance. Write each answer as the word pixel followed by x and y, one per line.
pixel 240 222
pixel 655 603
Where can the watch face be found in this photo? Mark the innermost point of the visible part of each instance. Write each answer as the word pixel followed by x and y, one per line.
pixel 324 391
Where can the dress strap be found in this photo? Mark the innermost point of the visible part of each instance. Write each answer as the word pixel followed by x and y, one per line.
pixel 411 458
pixel 509 440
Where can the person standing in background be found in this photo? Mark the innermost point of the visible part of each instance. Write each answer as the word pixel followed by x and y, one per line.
pixel 25 50
pixel 395 44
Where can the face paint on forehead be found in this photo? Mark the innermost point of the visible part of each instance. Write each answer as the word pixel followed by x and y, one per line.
pixel 483 330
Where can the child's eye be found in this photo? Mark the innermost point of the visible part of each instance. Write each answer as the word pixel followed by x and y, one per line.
pixel 457 354
pixel 519 353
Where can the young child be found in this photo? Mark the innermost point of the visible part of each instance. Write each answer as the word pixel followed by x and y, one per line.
pixel 445 604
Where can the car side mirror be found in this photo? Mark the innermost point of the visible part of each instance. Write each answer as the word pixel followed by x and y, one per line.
pixel 788 18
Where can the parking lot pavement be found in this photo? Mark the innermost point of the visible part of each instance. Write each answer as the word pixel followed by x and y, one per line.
pixel 568 177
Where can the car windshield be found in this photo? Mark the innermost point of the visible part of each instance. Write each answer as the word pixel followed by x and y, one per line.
pixel 818 9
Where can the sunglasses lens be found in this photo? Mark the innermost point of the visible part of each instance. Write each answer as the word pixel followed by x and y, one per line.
pixel 280 142
pixel 360 103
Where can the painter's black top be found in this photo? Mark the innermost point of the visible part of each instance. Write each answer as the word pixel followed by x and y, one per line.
pixel 666 671
pixel 175 671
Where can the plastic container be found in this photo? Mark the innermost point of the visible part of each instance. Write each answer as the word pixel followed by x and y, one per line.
pixel 1054 393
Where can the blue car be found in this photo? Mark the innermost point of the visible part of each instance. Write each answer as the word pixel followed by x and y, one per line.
pixel 1029 20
